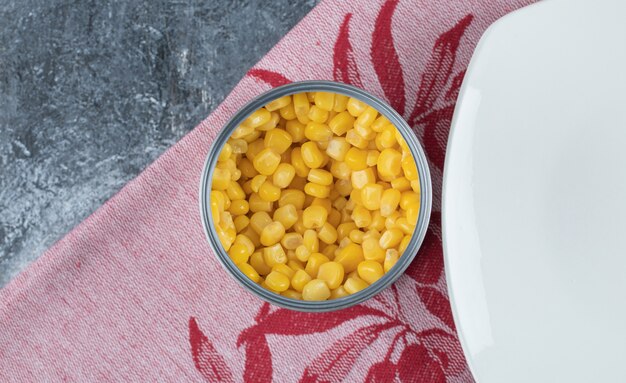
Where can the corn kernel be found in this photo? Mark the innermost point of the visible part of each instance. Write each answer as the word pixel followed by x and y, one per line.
pixel 310 240
pixel 340 170
pixel 314 217
pixel 325 100
pixel 371 195
pixel 316 131
pixel 273 255
pixel 295 264
pixel 327 233
pixel 258 118
pixel 257 261
pixel 266 161
pixel 277 281
pixel 329 251
pixel 409 168
pixel 300 279
pixel 258 204
pixel 403 224
pixel 332 273
pixel 278 140
pixel 317 190
pixel 242 130
pixel 256 182
pixel 356 236
pixel 291 241
pixel 252 235
pixel 356 140
pixel 355 107
pixel 272 233
pixel 389 202
pixel 372 250
pixel 334 217
pixel 380 123
pixel 259 220
pixel 344 229
pixel 314 262
pixel 390 238
pixel 301 106
pixel 283 175
pixel 341 101
pixel 391 258
pixel 370 271
pixel 239 207
pixel 249 272
pixel 389 163
pixel 221 179
pixel 287 215
pixel 303 253
pixel 247 169
pixel 315 290
pixel 311 156
pixel 360 178
pixel 412 214
pixel 320 177
pixel 409 199
pixel 227 150
pixel 291 294
pixel 234 191
pixel 387 138
pixel 415 185
pixel 354 285
pixel 254 148
pixel 339 292
pixel 284 269
pixel 367 117
pixel 338 148
pixel 269 192
pixel 404 244
pixel 292 197
pixel 344 187
pixel 341 123
pixel 323 202
pixel 317 114
pixel 241 222
pixel 278 103
pixel 356 159
pixel 350 257
pixel 238 253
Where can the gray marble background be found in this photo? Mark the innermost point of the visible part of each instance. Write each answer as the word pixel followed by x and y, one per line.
pixel 93 91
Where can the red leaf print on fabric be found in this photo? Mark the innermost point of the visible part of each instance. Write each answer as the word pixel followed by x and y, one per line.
pixel 381 372
pixel 416 366
pixel 436 303
pixel 453 92
pixel 208 361
pixel 439 68
pixel 385 58
pixel 428 265
pixel 287 322
pixel 258 368
pixel 270 77
pixel 445 348
pixel 334 364
pixel 345 69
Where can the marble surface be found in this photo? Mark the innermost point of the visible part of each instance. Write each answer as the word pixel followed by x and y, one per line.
pixel 93 91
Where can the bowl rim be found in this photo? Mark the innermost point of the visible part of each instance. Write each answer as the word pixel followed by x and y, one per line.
pixel 425 195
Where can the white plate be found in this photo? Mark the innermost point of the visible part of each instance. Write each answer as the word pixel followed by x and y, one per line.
pixel 534 200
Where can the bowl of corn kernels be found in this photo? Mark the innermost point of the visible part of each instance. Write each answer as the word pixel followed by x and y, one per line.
pixel 316 196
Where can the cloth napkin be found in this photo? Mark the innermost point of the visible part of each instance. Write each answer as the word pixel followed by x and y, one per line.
pixel 134 293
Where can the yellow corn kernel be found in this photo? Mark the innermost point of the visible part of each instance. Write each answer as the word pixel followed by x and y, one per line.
pixel 344 187
pixel 303 253
pixel 327 233
pixel 356 159
pixel 241 222
pixel 242 130
pixel 325 100
pixel 292 197
pixel 254 148
pixel 221 179
pixel 380 123
pixel 340 170
pixel 404 244
pixel 302 170
pixel 288 112
pixel 295 264
pixel 360 178
pixel 403 224
pixel 317 114
pixel 271 124
pixel 356 140
pixel 316 131
pixel 301 106
pixel 332 273
pixel 334 217
pixel 246 168
pixel 284 269
pixel 340 202
pixel 258 118
pixel 339 292
pixel 355 107
pixel 412 214
pixel 238 253
pixel 249 272
pixel 415 185
pixel 354 284
pixel 278 140
pixel 366 118
pixel 409 168
pixel 389 202
pixel 323 202
pixel 370 271
pixel 277 281
pixel 361 216
pixel 320 177
pixel 291 241
pixel 258 204
pixel 314 262
pixel 409 199
pixel 258 263
pixel 246 242
pixel 310 241
pixel 329 251
pixel 391 238
pixel 372 157
pixel 350 256
pixel 387 138
pixel 259 220
pixel 226 220
pixel 401 184
pixel 314 217
pixel 315 290
pixel 291 294
pixel 239 207
pixel 298 227
pixel 256 182
pixel 341 123
pixel 371 195
pixel 341 101
pixel 273 255
pixel 269 192
pixel 266 161
pixel 252 235
pixel 316 190
pixel 278 103
pixel 234 191
pixel 389 163
pixel 247 187
pixel 391 257
pixel 337 148
pixel 296 129
pixel 227 150
pixel 272 233
pixel 300 279
pixel 239 146
pixel 287 215
pixel 372 250
pixel 356 236
pixel 378 221
pixel 283 175
pixel 344 229
pixel 224 237
pixel 311 155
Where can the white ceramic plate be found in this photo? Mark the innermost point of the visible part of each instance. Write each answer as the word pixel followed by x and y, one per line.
pixel 534 200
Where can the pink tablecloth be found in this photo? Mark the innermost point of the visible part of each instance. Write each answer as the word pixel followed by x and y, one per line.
pixel 134 293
